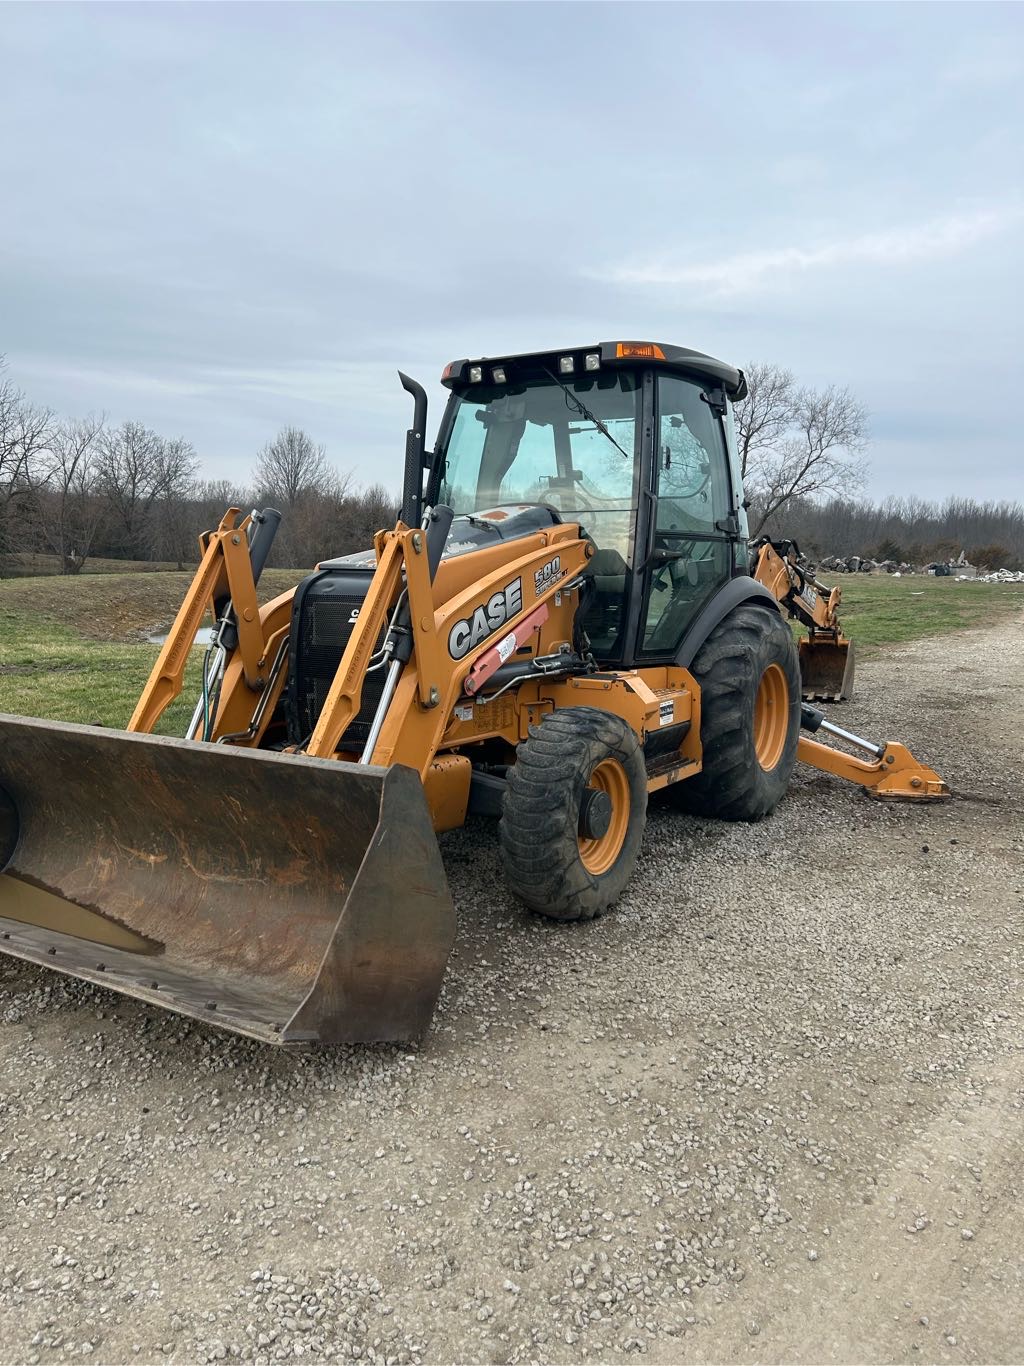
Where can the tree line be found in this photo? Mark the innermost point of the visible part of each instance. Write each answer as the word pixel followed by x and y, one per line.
pixel 795 442
pixel 804 463
pixel 910 530
pixel 82 488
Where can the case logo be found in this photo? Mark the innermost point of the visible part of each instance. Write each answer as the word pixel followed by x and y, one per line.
pixel 500 607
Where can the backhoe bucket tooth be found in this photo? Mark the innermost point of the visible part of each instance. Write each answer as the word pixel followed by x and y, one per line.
pixel 826 670
pixel 290 899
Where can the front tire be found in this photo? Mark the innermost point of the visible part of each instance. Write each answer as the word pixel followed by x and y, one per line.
pixel 749 676
pixel 574 813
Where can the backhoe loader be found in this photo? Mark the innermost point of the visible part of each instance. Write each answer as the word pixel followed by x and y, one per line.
pixel 567 618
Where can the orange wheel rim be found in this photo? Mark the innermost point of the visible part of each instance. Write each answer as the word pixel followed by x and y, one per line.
pixel 599 854
pixel 771 717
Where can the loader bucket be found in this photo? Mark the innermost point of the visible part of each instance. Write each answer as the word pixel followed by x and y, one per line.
pixel 290 899
pixel 826 670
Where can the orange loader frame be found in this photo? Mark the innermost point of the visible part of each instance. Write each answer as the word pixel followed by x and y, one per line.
pixel 441 709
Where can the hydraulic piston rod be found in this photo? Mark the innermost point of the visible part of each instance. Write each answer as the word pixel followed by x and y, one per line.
pixel 814 720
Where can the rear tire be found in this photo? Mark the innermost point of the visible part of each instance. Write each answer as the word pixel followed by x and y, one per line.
pixel 561 864
pixel 749 676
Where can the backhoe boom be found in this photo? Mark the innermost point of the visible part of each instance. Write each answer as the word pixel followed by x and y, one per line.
pixel 826 656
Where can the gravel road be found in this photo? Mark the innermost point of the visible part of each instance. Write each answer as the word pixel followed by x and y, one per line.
pixel 769 1109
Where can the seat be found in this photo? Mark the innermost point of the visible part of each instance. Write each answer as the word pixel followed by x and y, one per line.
pixel 607 575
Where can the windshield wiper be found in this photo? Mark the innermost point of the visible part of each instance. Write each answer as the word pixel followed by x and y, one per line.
pixel 585 412
pixel 479 521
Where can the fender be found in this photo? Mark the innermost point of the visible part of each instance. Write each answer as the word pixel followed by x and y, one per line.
pixel 740 589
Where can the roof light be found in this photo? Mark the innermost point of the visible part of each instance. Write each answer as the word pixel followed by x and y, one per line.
pixel 566 365
pixel 476 374
pixel 639 351
pixel 593 361
pixel 498 374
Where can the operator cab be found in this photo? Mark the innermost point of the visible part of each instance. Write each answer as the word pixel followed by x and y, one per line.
pixel 632 440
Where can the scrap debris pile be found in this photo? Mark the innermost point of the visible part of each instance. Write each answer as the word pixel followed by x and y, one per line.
pixel 1003 576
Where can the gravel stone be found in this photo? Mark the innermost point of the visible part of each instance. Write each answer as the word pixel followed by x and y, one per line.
pixel 619 1139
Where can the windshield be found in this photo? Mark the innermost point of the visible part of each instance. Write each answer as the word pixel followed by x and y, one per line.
pixel 543 442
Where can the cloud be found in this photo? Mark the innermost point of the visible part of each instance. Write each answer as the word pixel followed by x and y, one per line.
pixel 745 271
pixel 252 225
pixel 985 70
pixel 118 381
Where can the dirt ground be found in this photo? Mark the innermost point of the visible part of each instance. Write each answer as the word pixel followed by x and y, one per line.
pixel 770 1109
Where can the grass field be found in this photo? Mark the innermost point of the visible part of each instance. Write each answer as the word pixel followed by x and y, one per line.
pixel 75 649
pixel 37 566
pixel 881 610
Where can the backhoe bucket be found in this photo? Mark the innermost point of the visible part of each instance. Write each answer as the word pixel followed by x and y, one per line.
pixel 826 670
pixel 290 899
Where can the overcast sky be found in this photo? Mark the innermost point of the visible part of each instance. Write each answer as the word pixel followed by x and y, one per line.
pixel 221 219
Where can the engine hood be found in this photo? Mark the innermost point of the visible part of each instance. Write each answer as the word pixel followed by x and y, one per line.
pixel 472 532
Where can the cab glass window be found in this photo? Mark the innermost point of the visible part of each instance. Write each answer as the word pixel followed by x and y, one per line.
pixel 571 445
pixel 692 470
pixel 693 558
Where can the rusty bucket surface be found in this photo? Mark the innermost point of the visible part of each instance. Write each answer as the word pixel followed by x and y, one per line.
pixel 827 670
pixel 294 900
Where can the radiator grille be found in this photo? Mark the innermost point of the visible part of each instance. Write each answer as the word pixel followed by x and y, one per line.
pixel 323 629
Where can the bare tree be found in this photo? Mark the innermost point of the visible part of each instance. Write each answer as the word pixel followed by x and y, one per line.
pixel 211 498
pixel 293 466
pixel 219 495
pixel 764 416
pixel 294 474
pixel 24 433
pixel 359 515
pixel 68 508
pixel 797 443
pixel 177 466
pixel 130 475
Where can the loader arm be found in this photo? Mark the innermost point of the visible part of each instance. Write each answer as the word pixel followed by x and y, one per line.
pixel 224 585
pixel 509 594
pixel 412 731
pixel 345 694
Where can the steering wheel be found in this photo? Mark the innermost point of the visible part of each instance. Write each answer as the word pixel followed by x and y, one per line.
pixel 699 472
pixel 685 458
pixel 674 569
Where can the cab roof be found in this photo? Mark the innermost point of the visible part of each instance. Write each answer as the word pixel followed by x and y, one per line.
pixel 609 356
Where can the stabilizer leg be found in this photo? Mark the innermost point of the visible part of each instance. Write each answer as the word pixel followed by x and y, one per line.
pixel 893 773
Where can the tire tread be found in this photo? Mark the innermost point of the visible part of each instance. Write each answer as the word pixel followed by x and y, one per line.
pixel 538 826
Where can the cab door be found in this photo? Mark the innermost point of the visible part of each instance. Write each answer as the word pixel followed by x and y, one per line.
pixel 691 550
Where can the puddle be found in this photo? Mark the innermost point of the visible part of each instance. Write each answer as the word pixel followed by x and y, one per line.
pixel 204 636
